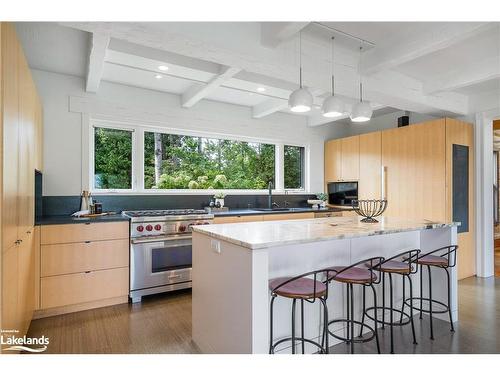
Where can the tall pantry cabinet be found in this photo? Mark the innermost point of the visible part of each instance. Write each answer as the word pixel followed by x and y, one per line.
pixel 425 170
pixel 21 154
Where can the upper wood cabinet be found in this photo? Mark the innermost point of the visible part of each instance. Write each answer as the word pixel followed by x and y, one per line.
pixel 370 161
pixel 350 158
pixel 333 160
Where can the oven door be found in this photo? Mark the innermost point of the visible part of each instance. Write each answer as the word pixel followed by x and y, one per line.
pixel 157 262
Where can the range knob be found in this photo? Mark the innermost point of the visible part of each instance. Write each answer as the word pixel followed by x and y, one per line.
pixel 157 227
pixel 182 228
pixel 140 228
pixel 206 223
pixel 149 227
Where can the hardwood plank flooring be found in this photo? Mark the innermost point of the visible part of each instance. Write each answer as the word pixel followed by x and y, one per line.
pixel 162 324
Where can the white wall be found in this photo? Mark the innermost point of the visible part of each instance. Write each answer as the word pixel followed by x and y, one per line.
pixel 63 128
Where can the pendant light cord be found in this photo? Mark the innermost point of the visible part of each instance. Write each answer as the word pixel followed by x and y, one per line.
pixel 333 66
pixel 360 78
pixel 300 58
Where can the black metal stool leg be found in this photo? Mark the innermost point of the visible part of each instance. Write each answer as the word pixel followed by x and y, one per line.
pixel 449 300
pixel 430 301
pixel 293 325
pixel 375 322
pixel 404 298
pixel 352 318
pixel 363 317
pixel 421 289
pixel 383 300
pixel 411 309
pixel 348 311
pixel 302 324
pixel 324 340
pixel 391 312
pixel 271 326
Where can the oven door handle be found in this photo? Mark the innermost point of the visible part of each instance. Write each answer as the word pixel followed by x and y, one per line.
pixel 160 239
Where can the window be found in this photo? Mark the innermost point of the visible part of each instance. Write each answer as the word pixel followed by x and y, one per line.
pixel 112 158
pixel 294 167
pixel 174 161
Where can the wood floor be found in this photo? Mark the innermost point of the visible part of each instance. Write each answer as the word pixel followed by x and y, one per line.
pixel 497 257
pixel 162 324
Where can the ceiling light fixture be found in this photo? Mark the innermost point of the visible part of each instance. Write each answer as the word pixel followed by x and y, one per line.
pixel 361 111
pixel 158 76
pixel 261 89
pixel 163 68
pixel 333 105
pixel 301 99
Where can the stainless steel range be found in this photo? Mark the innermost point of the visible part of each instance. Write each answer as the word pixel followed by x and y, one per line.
pixel 160 249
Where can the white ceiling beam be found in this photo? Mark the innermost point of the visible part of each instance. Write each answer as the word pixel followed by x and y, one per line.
pixel 272 34
pixel 98 47
pixel 394 53
pixel 269 107
pixel 196 93
pixel 481 71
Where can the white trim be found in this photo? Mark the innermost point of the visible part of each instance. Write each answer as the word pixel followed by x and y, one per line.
pixel 138 159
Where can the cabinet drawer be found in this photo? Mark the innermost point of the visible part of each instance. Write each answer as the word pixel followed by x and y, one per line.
pixel 68 233
pixel 295 216
pixel 328 214
pixel 77 288
pixel 61 259
pixel 237 219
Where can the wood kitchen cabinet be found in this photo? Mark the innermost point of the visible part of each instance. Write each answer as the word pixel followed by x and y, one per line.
pixel 418 162
pixel 83 266
pixel 350 158
pixel 333 160
pixel 20 153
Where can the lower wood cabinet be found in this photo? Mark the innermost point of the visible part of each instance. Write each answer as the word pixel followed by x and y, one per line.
pixel 295 216
pixel 83 266
pixel 267 217
pixel 77 288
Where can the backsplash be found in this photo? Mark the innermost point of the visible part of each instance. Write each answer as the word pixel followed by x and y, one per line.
pixel 66 205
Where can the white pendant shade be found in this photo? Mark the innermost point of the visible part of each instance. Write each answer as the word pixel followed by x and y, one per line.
pixel 333 107
pixel 300 100
pixel 361 112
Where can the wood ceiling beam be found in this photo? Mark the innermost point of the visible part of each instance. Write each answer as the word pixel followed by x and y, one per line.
pixel 198 92
pixel 392 54
pixel 98 47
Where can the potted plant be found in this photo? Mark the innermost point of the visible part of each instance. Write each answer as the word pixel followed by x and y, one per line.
pixel 323 198
pixel 219 198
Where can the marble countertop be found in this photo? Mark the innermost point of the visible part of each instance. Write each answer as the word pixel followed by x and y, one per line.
pixel 261 235
pixel 254 211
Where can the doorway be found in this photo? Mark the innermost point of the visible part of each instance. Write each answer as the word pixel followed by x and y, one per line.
pixel 496 194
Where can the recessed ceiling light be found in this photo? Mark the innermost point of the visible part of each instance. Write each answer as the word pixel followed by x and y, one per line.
pixel 163 67
pixel 158 76
pixel 261 89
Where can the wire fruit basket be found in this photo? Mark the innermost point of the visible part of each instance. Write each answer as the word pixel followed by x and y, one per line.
pixel 369 209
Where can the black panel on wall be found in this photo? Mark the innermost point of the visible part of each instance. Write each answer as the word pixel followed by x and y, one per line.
pixel 460 193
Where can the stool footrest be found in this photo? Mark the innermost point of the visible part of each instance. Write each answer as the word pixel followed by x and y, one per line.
pixel 298 339
pixel 417 308
pixel 388 322
pixel 355 339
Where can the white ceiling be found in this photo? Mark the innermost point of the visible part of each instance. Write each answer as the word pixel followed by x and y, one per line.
pixel 434 68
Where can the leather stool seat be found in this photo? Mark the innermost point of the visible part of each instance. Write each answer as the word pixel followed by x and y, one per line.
pixel 433 260
pixel 354 275
pixel 299 288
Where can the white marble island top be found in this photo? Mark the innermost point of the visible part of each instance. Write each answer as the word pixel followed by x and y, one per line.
pixel 265 234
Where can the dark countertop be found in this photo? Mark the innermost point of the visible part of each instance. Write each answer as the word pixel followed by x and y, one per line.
pixel 66 219
pixel 253 211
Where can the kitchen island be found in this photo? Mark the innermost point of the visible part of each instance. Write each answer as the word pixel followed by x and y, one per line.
pixel 233 263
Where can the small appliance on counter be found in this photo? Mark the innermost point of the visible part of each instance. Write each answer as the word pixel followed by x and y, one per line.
pixel 342 193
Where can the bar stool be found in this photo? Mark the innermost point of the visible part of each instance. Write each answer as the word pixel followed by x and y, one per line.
pixel 403 264
pixel 444 258
pixel 302 288
pixel 360 273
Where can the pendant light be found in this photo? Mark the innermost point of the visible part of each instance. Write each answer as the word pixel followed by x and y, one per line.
pixel 362 111
pixel 333 105
pixel 301 99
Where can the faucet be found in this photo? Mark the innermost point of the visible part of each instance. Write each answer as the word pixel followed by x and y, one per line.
pixel 270 195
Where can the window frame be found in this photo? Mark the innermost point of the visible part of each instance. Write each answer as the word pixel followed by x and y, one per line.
pixel 138 160
pixel 303 174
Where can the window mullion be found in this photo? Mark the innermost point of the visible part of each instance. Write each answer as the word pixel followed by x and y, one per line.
pixel 138 161
pixel 279 167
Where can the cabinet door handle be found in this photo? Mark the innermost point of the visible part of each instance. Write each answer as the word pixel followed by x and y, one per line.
pixel 88 271
pixel 87 223
pixel 87 241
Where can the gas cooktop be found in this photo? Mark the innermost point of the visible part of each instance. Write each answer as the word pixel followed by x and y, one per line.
pixel 175 212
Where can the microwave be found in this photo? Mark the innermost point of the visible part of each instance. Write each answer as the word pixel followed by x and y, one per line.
pixel 342 193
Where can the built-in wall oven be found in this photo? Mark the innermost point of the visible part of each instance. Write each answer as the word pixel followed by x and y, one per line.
pixel 161 250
